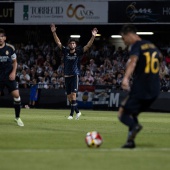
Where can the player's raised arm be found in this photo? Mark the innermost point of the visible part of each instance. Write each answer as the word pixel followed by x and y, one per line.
pixel 57 40
pixel 89 44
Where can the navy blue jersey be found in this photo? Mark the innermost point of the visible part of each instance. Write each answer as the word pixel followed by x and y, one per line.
pixel 146 83
pixel 72 61
pixel 7 54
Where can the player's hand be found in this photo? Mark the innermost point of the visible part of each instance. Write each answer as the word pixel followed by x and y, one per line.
pixel 12 76
pixel 53 28
pixel 125 84
pixel 94 31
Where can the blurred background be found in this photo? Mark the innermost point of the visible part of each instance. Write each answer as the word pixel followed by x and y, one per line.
pixel 27 25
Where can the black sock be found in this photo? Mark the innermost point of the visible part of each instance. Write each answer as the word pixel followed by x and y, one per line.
pixel 17 106
pixel 135 119
pixel 76 108
pixel 127 120
pixel 73 103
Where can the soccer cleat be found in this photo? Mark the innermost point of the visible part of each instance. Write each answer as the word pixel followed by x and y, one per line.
pixel 70 118
pixel 135 131
pixel 19 121
pixel 78 116
pixel 129 145
pixel 27 107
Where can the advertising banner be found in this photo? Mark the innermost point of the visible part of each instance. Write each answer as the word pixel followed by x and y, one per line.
pixel 101 97
pixel 85 96
pixel 139 12
pixel 87 99
pixel 6 12
pixel 61 12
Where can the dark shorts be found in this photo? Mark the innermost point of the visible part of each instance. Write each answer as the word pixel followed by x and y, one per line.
pixel 71 84
pixel 134 106
pixel 10 85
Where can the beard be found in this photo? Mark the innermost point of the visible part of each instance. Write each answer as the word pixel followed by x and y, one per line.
pixel 72 49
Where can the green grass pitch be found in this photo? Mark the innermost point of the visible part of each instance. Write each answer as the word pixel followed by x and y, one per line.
pixel 49 141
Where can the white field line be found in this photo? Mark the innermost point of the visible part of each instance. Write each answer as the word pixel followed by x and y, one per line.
pixel 85 150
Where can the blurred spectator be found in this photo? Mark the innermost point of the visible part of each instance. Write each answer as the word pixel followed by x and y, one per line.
pixel 92 66
pixel 50 71
pixel 46 77
pixel 29 46
pixel 96 77
pixel 89 78
pixel 163 70
pixel 24 79
pixel 165 83
pixel 82 70
pixel 94 53
pixel 101 65
pixel 33 74
pixel 54 64
pixel 33 94
pixel 40 60
pixel 118 54
pixel 167 58
pixel 101 70
pixel 31 60
pixel 55 83
pixel 39 71
pixel 108 79
pixel 42 84
pixel 60 69
pixel 119 80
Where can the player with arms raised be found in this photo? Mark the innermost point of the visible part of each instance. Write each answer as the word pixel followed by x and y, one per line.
pixel 72 56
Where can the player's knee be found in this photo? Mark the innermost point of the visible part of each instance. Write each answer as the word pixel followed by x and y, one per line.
pixel 17 100
pixel 120 112
pixel 73 96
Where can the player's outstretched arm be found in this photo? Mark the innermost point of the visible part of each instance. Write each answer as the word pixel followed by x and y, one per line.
pixel 89 44
pixel 57 40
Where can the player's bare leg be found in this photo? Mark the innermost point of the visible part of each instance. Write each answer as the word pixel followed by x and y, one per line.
pixel 17 107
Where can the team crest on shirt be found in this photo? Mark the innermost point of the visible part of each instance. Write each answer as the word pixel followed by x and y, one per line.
pixel 7 52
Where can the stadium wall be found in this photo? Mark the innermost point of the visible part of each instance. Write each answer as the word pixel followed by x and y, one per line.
pixel 84 12
pixel 88 98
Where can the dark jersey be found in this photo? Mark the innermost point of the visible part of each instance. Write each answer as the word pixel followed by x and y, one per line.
pixel 72 61
pixel 146 83
pixel 7 54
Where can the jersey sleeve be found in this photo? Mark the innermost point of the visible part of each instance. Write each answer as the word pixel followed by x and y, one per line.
pixel 13 54
pixel 64 50
pixel 135 50
pixel 80 51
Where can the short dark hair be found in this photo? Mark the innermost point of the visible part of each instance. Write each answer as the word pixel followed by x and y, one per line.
pixel 128 28
pixel 2 31
pixel 72 40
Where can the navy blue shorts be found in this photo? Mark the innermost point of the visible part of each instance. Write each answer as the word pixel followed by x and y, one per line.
pixel 11 85
pixel 71 84
pixel 134 105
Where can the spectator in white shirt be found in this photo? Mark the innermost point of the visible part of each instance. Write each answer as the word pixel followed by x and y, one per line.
pixel 24 79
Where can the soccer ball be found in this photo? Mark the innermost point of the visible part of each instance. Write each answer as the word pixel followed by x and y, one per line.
pixel 93 139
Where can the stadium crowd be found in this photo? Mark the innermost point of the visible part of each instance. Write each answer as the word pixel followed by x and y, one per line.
pixel 101 65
